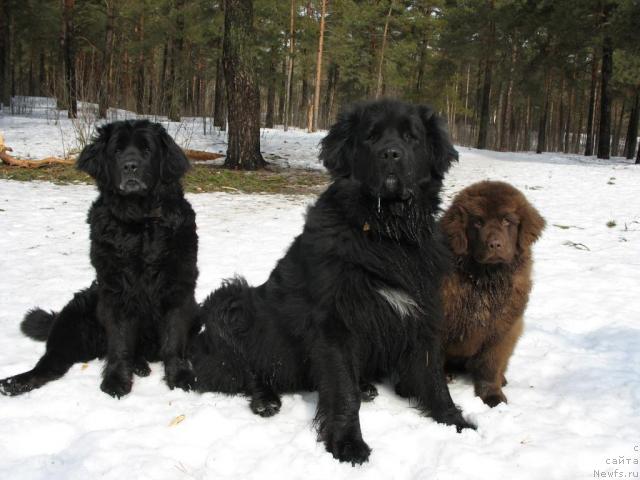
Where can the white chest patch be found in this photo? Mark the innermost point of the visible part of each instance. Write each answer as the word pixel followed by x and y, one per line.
pixel 400 301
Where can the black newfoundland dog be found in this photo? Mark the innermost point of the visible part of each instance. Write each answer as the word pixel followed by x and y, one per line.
pixel 356 297
pixel 141 306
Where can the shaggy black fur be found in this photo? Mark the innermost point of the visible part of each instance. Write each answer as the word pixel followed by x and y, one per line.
pixel 144 247
pixel 356 298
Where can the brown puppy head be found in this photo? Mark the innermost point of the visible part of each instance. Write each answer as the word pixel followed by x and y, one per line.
pixel 492 222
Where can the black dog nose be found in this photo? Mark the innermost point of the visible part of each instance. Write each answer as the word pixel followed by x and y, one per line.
pixel 391 154
pixel 495 244
pixel 130 167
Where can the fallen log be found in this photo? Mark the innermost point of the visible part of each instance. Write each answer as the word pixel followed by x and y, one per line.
pixel 18 162
pixel 201 155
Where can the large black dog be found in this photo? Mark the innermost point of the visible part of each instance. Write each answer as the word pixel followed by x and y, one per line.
pixel 356 298
pixel 144 246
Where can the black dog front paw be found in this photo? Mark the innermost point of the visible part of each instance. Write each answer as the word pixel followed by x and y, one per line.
pixel 12 386
pixel 368 392
pixel 453 417
pixel 141 368
pixel 265 405
pixel 349 449
pixel 116 384
pixel 183 378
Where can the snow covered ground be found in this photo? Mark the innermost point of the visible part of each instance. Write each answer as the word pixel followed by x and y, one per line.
pixel 574 383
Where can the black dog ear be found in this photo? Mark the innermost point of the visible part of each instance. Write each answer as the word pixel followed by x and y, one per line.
pixel 174 162
pixel 92 159
pixel 337 148
pixel 439 145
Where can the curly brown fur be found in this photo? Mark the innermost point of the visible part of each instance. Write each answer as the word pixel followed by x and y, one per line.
pixel 490 228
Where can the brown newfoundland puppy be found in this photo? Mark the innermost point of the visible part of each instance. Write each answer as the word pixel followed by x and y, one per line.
pixel 490 228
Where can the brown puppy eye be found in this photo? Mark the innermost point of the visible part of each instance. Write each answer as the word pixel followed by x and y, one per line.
pixel 506 222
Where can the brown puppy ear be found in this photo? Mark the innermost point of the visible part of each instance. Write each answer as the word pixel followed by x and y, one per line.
pixel 531 225
pixel 454 225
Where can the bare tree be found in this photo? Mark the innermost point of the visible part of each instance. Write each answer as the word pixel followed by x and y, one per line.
pixel 287 88
pixel 382 49
pixel 316 95
pixel 243 96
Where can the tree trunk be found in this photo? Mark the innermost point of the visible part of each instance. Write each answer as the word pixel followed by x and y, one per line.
pixel 219 98
pixel 288 84
pixel 105 78
pixel 69 57
pixel 604 134
pixel 423 46
pixel 176 66
pixel 243 96
pixel 271 89
pixel 542 127
pixel 588 149
pixel 615 143
pixel 382 49
pixel 140 68
pixel 332 83
pixel 4 53
pixel 483 133
pixel 632 130
pixel 316 95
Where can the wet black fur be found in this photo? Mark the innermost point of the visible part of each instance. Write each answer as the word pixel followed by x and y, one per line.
pixel 141 307
pixel 319 323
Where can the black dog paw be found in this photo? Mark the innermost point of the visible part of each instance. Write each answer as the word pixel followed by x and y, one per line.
pixel 453 417
pixel 368 392
pixel 265 405
pixel 183 378
pixel 116 384
pixel 141 368
pixel 403 390
pixel 350 449
pixel 12 386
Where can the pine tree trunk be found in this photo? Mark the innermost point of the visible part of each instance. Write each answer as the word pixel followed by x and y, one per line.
pixel 140 68
pixel 505 134
pixel 69 58
pixel 4 53
pixel 176 66
pixel 542 127
pixel 483 129
pixel 219 98
pixel 288 85
pixel 615 143
pixel 588 149
pixel 271 90
pixel 238 59
pixel 632 129
pixel 382 49
pixel 316 95
pixel 332 83
pixel 105 84
pixel 604 133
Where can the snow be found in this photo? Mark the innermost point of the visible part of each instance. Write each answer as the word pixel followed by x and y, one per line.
pixel 574 388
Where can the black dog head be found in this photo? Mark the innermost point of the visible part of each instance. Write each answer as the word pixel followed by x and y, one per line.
pixel 394 149
pixel 132 157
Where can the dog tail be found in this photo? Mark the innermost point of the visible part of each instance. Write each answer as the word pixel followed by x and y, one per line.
pixel 37 324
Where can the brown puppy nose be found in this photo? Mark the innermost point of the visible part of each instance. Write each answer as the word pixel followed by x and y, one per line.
pixel 495 244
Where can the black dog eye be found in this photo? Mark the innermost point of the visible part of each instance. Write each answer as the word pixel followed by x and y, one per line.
pixel 477 223
pixel 408 136
pixel 118 151
pixel 147 151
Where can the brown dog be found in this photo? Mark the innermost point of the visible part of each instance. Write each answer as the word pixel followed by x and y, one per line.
pixel 490 228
